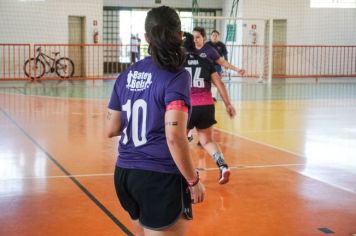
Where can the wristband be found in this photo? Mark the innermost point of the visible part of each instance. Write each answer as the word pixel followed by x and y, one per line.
pixel 194 182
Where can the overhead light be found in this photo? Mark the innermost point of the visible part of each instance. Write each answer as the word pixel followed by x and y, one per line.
pixel 31 0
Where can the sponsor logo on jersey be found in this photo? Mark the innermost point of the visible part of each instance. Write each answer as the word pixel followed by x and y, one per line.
pixel 203 55
pixel 138 81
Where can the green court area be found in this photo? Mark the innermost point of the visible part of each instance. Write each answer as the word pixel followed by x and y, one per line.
pixel 238 91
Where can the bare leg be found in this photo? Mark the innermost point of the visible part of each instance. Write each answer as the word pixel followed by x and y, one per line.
pixel 138 228
pixel 178 229
pixel 206 140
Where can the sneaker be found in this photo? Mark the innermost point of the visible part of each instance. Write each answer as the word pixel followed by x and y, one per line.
pixel 224 174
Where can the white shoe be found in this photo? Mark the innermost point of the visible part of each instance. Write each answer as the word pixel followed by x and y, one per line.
pixel 224 174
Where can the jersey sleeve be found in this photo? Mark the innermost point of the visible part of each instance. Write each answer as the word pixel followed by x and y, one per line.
pixel 178 89
pixel 114 102
pixel 214 54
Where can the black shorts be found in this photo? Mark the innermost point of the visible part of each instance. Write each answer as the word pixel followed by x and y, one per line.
pixel 156 199
pixel 202 117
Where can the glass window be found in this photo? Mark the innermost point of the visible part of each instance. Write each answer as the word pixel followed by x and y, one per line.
pixel 120 24
pixel 333 3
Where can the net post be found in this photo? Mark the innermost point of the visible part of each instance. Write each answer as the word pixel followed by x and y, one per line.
pixel 270 51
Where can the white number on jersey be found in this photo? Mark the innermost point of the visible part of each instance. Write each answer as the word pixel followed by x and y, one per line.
pixel 197 82
pixel 138 105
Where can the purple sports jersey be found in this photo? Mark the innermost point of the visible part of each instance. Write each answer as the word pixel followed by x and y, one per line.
pixel 141 93
pixel 200 70
pixel 208 52
pixel 219 47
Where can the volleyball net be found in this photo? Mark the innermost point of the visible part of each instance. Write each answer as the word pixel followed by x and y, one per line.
pixel 247 41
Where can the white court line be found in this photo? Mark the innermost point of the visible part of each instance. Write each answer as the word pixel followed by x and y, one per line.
pixel 261 143
pixel 328 183
pixel 251 167
pixel 200 169
pixel 62 113
pixel 61 98
pixel 290 152
pixel 61 176
pixel 110 174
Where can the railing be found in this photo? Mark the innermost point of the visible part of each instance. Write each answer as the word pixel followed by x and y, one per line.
pixel 91 61
pixel 105 61
pixel 300 61
pixel 253 58
pixel 12 58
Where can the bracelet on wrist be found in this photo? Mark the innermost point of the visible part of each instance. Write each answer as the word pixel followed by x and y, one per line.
pixel 194 182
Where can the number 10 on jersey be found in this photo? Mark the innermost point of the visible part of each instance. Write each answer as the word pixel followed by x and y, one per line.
pixel 134 111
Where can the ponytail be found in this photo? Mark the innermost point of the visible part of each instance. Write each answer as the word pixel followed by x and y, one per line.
pixel 163 34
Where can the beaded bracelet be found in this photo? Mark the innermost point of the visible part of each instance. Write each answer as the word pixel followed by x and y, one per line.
pixel 194 182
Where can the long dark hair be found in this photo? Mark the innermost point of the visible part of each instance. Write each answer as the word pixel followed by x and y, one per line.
pixel 163 35
pixel 188 42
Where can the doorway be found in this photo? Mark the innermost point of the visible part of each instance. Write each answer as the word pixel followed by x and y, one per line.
pixel 279 53
pixel 76 29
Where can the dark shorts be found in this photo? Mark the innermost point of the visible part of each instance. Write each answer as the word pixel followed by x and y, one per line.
pixel 218 68
pixel 156 199
pixel 202 117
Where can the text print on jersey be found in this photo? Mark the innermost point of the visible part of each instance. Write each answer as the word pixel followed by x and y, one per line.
pixel 138 81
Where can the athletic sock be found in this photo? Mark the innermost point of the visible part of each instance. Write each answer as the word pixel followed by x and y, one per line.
pixel 219 159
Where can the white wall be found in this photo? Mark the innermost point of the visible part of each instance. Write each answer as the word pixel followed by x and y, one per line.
pixel 171 3
pixel 41 22
pixel 305 25
pixel 45 21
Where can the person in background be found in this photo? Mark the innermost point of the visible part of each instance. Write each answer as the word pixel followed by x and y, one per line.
pixel 138 47
pixel 207 51
pixel 133 48
pixel 155 179
pixel 219 46
pixel 202 118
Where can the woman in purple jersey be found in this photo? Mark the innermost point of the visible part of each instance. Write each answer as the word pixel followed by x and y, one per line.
pixel 203 75
pixel 149 109
pixel 209 52
pixel 219 46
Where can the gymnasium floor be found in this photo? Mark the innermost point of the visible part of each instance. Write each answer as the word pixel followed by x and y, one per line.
pixel 291 148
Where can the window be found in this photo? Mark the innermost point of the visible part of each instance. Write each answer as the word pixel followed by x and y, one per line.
pixel 333 3
pixel 188 24
pixel 120 23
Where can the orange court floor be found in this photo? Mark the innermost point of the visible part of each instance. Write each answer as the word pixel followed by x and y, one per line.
pixel 291 149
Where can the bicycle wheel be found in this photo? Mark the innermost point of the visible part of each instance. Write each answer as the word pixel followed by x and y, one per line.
pixel 33 66
pixel 64 67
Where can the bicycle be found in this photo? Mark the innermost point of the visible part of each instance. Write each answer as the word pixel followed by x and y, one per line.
pixel 64 66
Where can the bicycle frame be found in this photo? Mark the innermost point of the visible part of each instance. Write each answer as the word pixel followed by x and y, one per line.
pixel 47 59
